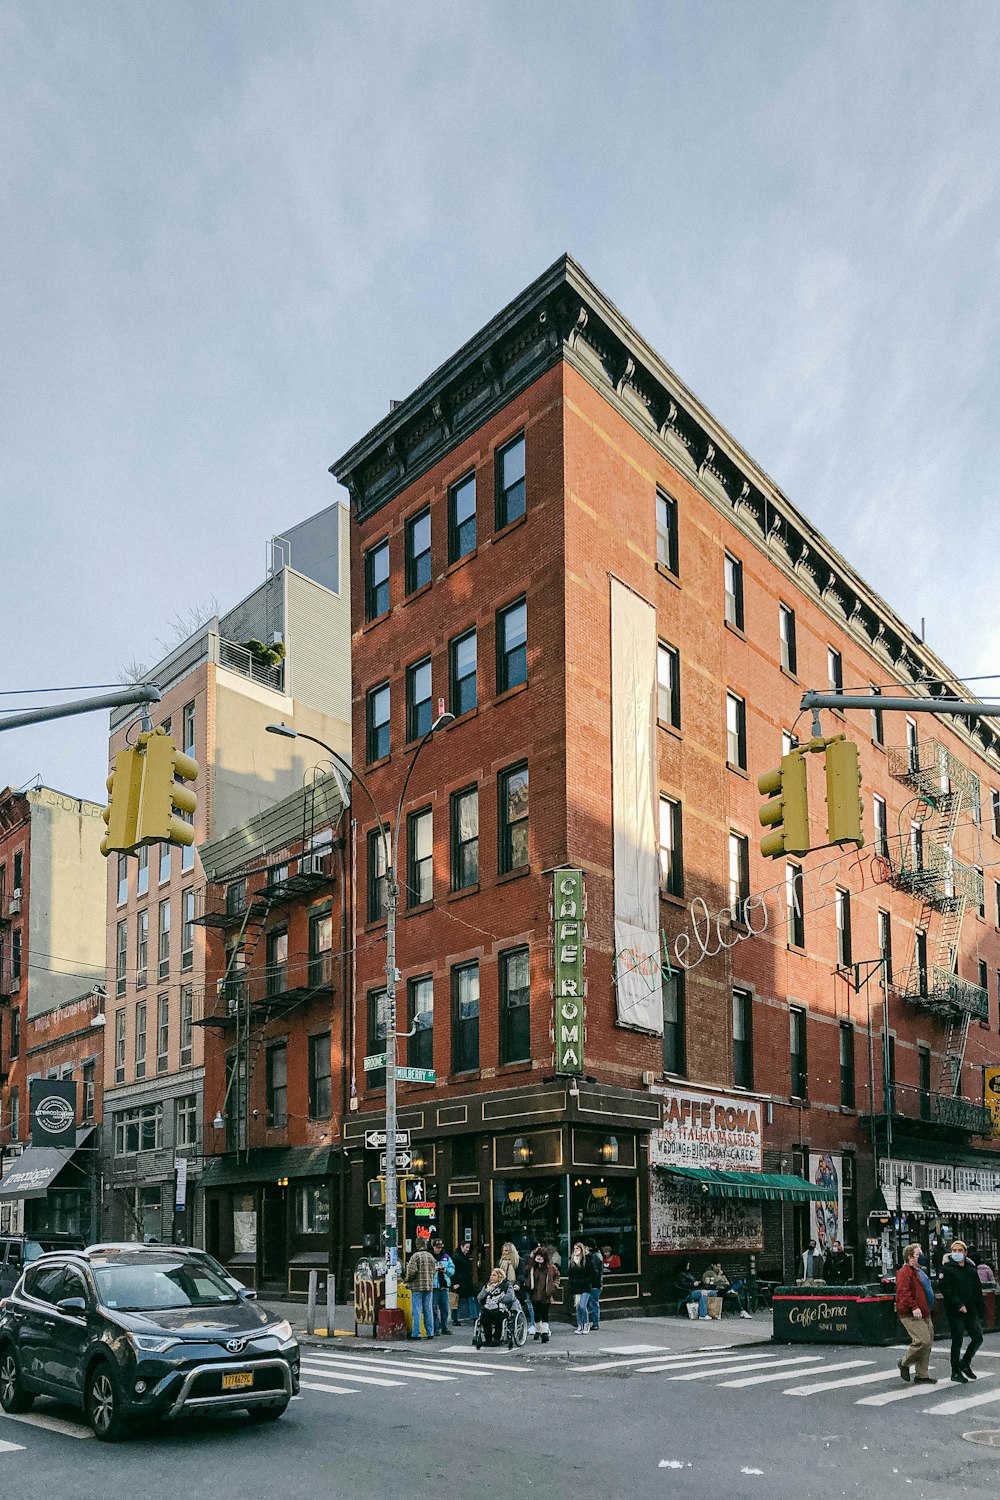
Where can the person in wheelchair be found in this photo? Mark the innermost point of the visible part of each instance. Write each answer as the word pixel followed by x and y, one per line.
pixel 497 1302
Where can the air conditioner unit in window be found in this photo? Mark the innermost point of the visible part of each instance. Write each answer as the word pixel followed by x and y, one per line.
pixel 313 864
pixel 14 905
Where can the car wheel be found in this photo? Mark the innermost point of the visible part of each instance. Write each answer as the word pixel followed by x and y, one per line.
pixel 267 1413
pixel 13 1397
pixel 103 1404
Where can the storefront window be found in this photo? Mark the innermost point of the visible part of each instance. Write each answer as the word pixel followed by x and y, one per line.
pixel 604 1210
pixel 312 1208
pixel 148 1213
pixel 535 1208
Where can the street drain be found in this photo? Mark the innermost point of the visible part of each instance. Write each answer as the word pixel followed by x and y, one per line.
pixel 988 1437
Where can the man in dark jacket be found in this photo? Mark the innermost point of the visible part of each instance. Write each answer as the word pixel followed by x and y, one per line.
pixel 837 1268
pixel 464 1283
pixel 596 1263
pixel 963 1297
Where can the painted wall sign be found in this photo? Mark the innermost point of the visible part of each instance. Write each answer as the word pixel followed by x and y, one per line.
pixel 569 936
pixel 721 1131
pixel 991 1095
pixel 682 1220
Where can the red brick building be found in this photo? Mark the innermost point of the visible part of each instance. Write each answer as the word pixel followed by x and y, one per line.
pixel 623 612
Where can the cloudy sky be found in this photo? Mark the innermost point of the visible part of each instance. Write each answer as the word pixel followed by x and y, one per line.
pixel 231 232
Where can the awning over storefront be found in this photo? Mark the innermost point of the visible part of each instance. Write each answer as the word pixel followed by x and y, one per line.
pixel 268 1164
pixel 34 1172
pixel 910 1200
pixel 966 1205
pixel 769 1186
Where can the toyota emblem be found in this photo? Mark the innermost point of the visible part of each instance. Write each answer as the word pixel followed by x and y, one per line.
pixel 236 1346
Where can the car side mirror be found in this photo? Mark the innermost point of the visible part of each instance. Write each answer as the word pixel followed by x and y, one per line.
pixel 72 1307
pixel 248 1294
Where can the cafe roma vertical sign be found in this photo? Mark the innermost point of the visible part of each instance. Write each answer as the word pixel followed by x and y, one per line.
pixel 569 910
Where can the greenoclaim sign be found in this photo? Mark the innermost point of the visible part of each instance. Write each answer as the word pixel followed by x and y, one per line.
pixel 569 939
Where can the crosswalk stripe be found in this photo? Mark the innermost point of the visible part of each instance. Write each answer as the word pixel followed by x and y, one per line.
pixel 836 1385
pixel 643 1366
pixel 845 1364
pixel 356 1369
pixel 349 1374
pixel 471 1366
pixel 962 1403
pixel 757 1364
pixel 331 1390
pixel 11 1447
pixel 50 1424
pixel 885 1398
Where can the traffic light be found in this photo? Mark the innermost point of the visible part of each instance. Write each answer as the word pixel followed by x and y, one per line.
pixel 844 808
pixel 164 793
pixel 124 795
pixel 787 814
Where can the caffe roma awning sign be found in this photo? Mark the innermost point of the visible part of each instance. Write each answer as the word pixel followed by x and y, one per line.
pixel 569 910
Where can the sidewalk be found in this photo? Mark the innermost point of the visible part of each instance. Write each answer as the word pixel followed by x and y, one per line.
pixel 637 1334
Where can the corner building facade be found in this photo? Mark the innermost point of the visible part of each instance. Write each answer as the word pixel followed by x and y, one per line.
pixel 554 537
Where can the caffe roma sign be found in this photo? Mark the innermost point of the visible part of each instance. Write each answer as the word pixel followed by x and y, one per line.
pixel 718 1131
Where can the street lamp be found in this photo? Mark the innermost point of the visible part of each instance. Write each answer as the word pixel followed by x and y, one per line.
pixel 390 853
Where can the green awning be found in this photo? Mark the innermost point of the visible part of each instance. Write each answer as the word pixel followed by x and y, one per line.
pixel 267 1164
pixel 781 1186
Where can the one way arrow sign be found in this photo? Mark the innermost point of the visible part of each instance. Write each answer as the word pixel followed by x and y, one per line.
pixel 404 1161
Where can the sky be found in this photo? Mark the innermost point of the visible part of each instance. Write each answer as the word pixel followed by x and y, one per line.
pixel 231 233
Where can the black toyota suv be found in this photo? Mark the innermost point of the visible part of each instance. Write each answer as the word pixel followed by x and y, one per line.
pixel 143 1335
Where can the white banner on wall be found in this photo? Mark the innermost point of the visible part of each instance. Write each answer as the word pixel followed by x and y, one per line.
pixel 826 1219
pixel 633 811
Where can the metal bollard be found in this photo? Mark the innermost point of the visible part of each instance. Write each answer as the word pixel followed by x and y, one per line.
pixel 311 1314
pixel 331 1304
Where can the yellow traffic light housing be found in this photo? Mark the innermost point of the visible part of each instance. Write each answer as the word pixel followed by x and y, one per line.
pixel 124 796
pixel 787 814
pixel 844 807
pixel 164 793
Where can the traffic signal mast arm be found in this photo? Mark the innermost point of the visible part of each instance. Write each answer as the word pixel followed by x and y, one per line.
pixel 969 708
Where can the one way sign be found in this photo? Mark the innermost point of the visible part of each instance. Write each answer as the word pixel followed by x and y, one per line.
pixel 404 1161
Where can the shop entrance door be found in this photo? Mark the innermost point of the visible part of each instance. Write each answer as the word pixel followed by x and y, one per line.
pixel 468 1223
pixel 274 1213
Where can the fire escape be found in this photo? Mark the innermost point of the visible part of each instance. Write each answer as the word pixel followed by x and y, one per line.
pixel 924 865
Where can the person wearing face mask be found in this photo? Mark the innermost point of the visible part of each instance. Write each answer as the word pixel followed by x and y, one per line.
pixel 541 1283
pixel 963 1297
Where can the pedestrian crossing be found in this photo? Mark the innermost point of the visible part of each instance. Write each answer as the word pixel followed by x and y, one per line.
pixel 348 1373
pixel 796 1375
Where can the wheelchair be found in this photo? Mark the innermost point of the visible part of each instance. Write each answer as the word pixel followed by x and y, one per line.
pixel 513 1329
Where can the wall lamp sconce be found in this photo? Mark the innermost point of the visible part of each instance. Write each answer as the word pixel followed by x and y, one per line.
pixel 419 1160
pixel 609 1150
pixel 218 1123
pixel 522 1151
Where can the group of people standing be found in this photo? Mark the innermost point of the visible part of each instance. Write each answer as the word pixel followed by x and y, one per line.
pixel 961 1288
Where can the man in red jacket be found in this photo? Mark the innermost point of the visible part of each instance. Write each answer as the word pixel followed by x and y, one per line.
pixel 914 1308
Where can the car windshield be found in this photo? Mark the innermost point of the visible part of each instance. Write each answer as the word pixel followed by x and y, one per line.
pixel 32 1250
pixel 155 1286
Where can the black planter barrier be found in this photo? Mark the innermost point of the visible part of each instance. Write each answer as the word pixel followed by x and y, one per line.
pixel 834 1315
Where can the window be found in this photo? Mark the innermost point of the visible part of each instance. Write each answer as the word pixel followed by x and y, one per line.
pixel 378 884
pixel 995 807
pixel 89 1090
pixel 462 518
pixel 187 731
pixel 139 1129
pixel 420 857
pixel 834 670
pixel 15 1033
pixel 320 1073
pixel 920 954
pixel 142 875
pixel 187 850
pixel 277 875
pixel 924 1075
pixel 236 898
pixel 981 883
pixel 162 1032
pixel 788 742
pixel 736 731
pixel 17 870
pixel 141 949
pixel 465 839
pixel 512 645
pixel 515 1006
pixel 377 1026
pixel 15 1115
pixel 312 1208
pixel 672 998
pixel 420 1000
pixel 377 580
pixel 140 1039
pixel 186 1120
pixel 510 502
pixel 885 945
pixel 797 1050
pixel 164 871
pixel 277 1086
pixel 739 876
pixel 878 735
pixel 842 908
pixel 122 879
pixel 187 929
pixel 277 962
pixel 668 685
pixel 996 902
pixel 320 948
pixel 984 985
pixel 187 1024
pixel 462 657
pixel 418 700
pixel 666 531
pixel 671 864
pixel 465 1018
pixel 793 900
pixel 846 1065
pixel 786 632
pixel 916 844
pixel 418 551
pixel 377 720
pixel 913 755
pixel 890 1068
pixel 163 968
pixel 881 824
pixel 15 958
pixel 121 969
pixel 513 820
pixel 120 1047
pixel 743 1039
pixel 733 573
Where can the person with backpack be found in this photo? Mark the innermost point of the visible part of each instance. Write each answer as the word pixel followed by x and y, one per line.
pixel 596 1262
pixel 914 1304
pixel 963 1298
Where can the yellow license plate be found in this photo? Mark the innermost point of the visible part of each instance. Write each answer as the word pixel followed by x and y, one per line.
pixel 240 1381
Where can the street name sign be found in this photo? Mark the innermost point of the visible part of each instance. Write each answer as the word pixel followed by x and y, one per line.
pixel 414 1075
pixel 375 1061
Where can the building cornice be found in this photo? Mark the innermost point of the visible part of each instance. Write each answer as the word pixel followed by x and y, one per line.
pixel 563 315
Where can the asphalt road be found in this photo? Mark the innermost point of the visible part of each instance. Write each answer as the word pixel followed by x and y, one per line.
pixel 445 1421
